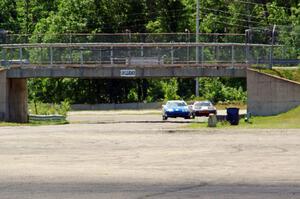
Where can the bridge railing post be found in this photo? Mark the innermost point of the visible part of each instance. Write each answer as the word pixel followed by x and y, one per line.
pixel 217 49
pixel 172 55
pixel 202 55
pixel 272 46
pixel 21 56
pixel 159 55
pixel 100 55
pixel 142 50
pixel 51 55
pixel 232 56
pixel 4 61
pixel 81 56
pixel 247 48
pixel 70 56
pixel 41 55
pixel 112 55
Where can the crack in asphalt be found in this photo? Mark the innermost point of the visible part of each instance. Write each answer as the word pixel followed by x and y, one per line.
pixel 173 191
pixel 276 149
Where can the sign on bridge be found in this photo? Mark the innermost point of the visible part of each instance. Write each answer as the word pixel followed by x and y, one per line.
pixel 128 73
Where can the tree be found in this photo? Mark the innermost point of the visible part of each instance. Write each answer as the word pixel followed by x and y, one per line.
pixel 167 16
pixel 30 12
pixel 57 19
pixel 8 15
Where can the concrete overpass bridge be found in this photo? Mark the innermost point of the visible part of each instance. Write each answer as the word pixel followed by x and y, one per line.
pixel 119 60
pixel 127 60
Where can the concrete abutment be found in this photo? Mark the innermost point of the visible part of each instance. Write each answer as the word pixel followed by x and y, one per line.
pixel 13 99
pixel 270 95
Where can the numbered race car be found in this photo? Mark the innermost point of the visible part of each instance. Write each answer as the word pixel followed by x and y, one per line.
pixel 203 108
pixel 176 108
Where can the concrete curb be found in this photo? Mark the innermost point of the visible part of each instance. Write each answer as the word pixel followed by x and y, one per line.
pixel 46 117
pixel 124 106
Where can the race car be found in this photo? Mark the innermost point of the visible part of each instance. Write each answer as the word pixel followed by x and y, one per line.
pixel 203 108
pixel 176 108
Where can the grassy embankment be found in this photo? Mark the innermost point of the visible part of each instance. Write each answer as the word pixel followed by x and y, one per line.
pixel 288 120
pixel 288 73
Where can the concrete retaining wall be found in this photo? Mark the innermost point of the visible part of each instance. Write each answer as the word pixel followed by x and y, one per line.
pixel 126 106
pixel 3 95
pixel 271 95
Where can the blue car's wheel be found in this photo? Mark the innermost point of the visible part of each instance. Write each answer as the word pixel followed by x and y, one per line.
pixel 164 117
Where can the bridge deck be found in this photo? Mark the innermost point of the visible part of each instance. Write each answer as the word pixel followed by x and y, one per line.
pixel 120 71
pixel 142 60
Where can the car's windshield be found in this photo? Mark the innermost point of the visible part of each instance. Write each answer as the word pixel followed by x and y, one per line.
pixel 203 104
pixel 175 104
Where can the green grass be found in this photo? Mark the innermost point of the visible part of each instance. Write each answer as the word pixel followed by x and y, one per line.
pixel 43 109
pixel 288 120
pixel 39 108
pixel 9 124
pixel 290 74
pixel 224 105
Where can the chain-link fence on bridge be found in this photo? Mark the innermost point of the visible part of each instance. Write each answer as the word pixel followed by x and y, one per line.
pixel 258 47
pixel 135 54
pixel 285 38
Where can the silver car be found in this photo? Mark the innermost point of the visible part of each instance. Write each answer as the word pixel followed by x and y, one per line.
pixel 203 108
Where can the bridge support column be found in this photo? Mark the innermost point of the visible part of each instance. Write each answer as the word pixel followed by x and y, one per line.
pixel 17 100
pixel 3 96
pixel 13 99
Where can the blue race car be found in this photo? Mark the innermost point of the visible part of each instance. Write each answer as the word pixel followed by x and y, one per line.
pixel 176 108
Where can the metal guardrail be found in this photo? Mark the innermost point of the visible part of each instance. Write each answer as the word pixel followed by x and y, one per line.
pixel 133 54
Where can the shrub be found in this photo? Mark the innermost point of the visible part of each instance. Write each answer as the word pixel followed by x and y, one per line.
pixel 39 108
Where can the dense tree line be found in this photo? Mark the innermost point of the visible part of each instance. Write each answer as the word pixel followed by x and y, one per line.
pixel 47 18
pixel 87 16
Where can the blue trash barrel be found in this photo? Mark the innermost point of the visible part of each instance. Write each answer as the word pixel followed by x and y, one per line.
pixel 233 116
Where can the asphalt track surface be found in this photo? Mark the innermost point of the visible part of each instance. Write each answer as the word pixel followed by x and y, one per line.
pixel 142 160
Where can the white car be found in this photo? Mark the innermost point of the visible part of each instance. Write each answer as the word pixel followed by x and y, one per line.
pixel 203 108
